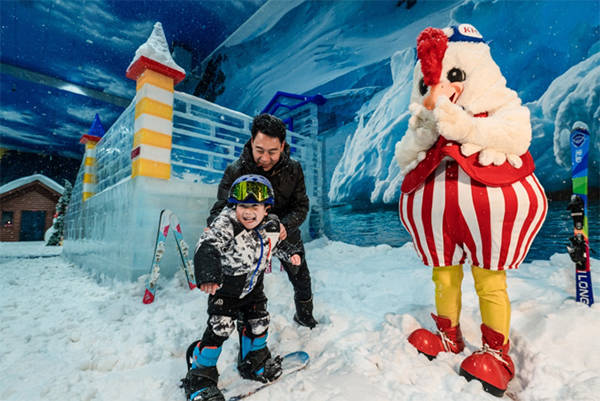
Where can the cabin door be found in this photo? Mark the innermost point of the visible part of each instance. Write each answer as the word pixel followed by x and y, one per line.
pixel 32 225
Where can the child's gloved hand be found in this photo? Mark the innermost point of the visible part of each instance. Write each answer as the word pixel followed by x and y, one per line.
pixel 209 288
pixel 296 259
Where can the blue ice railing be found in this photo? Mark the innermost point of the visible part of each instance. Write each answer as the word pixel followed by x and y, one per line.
pixel 274 104
pixel 207 137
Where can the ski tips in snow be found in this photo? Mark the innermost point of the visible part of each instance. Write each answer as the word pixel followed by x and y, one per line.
pixel 167 220
pixel 148 297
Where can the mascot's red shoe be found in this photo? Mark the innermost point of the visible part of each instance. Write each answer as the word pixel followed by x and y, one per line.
pixel 491 365
pixel 447 339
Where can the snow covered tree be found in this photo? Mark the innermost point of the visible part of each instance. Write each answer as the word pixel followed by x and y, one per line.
pixel 59 220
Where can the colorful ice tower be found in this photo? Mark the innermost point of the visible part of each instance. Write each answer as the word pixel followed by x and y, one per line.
pixel 156 75
pixel 90 140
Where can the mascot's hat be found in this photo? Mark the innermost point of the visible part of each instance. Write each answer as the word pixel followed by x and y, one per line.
pixel 432 44
pixel 463 33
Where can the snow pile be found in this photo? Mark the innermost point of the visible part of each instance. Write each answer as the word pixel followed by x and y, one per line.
pixel 30 250
pixel 157 49
pixel 69 338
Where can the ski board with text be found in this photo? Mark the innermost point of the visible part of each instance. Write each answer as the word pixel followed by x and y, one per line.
pixel 579 248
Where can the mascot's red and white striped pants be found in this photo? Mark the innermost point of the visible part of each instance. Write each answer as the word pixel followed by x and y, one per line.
pixel 453 218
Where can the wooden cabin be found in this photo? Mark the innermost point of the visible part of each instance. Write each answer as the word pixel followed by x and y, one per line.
pixel 27 206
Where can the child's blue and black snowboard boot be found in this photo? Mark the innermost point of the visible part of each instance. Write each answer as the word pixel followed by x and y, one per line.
pixel 200 383
pixel 255 361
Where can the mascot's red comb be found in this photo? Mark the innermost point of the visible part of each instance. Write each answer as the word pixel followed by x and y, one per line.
pixel 431 47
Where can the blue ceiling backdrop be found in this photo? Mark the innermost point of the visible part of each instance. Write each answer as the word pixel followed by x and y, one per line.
pixel 63 61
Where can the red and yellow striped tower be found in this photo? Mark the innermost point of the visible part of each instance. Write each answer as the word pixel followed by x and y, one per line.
pixel 156 74
pixel 90 140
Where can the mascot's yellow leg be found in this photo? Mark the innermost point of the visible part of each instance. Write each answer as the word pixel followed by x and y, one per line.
pixel 448 280
pixel 494 304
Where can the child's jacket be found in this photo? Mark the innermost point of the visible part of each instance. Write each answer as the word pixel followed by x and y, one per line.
pixel 230 255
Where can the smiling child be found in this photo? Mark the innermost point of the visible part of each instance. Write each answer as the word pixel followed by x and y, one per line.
pixel 230 262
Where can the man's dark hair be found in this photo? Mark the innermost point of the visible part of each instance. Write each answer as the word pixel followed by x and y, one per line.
pixel 268 125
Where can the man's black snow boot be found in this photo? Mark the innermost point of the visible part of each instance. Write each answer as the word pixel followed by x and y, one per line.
pixel 304 315
pixel 200 384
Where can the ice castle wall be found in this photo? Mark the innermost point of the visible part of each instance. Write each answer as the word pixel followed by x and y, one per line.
pixel 112 234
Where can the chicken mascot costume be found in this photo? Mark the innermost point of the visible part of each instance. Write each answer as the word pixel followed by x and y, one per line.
pixel 469 193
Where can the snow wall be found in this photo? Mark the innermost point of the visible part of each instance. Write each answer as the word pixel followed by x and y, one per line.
pixel 360 56
pixel 113 232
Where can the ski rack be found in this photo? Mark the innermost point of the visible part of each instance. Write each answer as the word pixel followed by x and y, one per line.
pixel 168 220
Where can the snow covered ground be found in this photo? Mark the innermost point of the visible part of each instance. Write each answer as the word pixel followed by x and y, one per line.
pixel 67 336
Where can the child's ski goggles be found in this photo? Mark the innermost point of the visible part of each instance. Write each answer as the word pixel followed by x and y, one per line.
pixel 250 192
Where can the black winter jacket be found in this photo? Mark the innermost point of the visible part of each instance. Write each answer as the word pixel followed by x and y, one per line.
pixel 236 258
pixel 287 178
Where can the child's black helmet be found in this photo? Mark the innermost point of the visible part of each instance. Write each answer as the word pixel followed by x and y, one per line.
pixel 251 188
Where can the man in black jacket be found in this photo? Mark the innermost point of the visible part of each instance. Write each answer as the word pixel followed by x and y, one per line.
pixel 267 154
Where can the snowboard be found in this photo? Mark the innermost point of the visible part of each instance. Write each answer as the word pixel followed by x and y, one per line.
pixel 241 389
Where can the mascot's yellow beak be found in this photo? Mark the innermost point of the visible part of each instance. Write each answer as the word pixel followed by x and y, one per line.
pixel 451 90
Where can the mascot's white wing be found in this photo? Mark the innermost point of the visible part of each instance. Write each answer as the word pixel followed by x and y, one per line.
pixel 421 134
pixel 419 137
pixel 506 131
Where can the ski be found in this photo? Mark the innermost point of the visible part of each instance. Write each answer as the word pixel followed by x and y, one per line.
pixel 578 247
pixel 183 248
pixel 167 220
pixel 159 250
